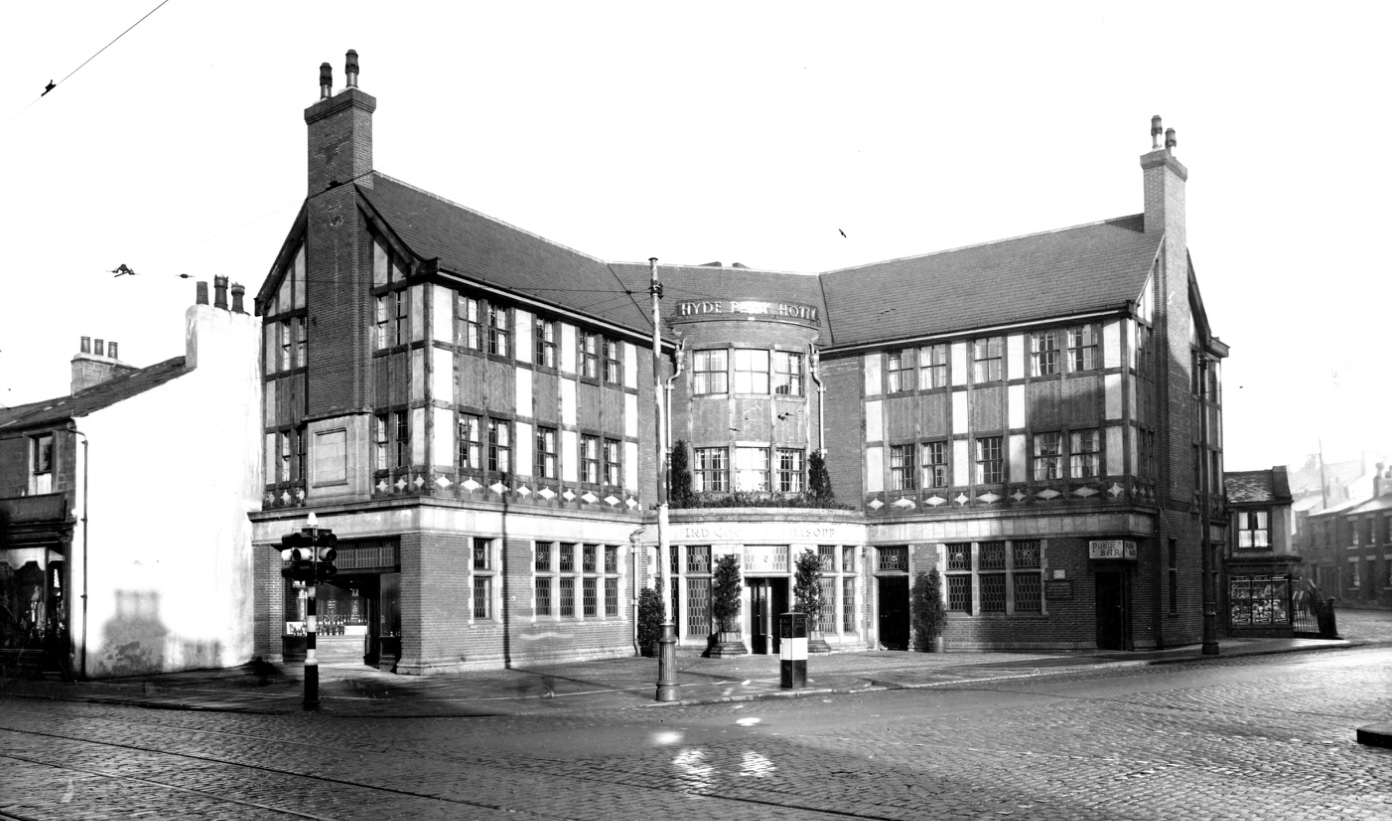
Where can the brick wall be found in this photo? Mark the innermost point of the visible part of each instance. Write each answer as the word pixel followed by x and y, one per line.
pixel 268 603
pixel 845 430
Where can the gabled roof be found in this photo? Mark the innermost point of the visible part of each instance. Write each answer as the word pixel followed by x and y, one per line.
pixel 1374 505
pixel 1258 486
pixel 83 403
pixel 493 252
pixel 1102 265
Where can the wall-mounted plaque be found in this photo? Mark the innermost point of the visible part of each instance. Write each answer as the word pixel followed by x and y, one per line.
pixel 1059 590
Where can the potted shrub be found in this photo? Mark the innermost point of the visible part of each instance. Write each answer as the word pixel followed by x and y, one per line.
pixel 807 597
pixel 650 621
pixel 930 616
pixel 725 608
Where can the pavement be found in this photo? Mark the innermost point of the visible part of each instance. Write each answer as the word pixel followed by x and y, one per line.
pixel 347 689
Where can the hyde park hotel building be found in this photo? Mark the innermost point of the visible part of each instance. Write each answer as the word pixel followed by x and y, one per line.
pixel 482 441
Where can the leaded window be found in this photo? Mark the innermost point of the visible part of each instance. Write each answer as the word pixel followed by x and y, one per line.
pixel 751 371
pixel 709 470
pixel 1048 456
pixel 934 464
pixel 989 467
pixel 1044 353
pixel 986 360
pixel 709 372
pixel 590 459
pixel 1083 349
pixel 1083 453
pixel 470 444
pixel 790 470
pixel 788 373
pixel 902 467
pixel 933 367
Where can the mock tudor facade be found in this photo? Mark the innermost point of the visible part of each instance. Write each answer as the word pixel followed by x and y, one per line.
pixel 471 409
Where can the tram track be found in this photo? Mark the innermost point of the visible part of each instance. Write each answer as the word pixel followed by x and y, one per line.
pixel 677 791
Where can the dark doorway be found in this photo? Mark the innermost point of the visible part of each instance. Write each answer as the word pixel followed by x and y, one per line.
pixel 1114 610
pixel 893 615
pixel 768 598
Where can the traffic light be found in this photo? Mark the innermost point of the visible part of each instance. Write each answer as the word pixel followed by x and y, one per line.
pixel 297 550
pixel 327 551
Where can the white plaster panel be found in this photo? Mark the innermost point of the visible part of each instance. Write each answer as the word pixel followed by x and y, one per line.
pixel 875 469
pixel 875 421
pixel 418 312
pixel 1016 442
pixel 568 348
pixel 568 401
pixel 1132 445
pixel 631 415
pixel 960 418
pixel 1132 396
pixel 1112 396
pixel 1131 326
pixel 379 264
pixel 957 353
pixel 270 403
pixel 631 465
pixel 522 449
pixel 962 464
pixel 298 272
pixel 270 457
pixel 1015 406
pixel 418 436
pixel 630 365
pixel 1112 344
pixel 522 391
pixel 522 336
pixel 271 350
pixel 418 375
pixel 442 378
pixel 569 455
pixel 442 313
pixel 1015 356
pixel 1114 450
pixel 443 438
pixel 870 365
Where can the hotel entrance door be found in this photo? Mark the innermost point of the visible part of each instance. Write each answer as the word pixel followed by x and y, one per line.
pixel 768 598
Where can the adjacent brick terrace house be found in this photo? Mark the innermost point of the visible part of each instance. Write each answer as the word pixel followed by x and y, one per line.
pixel 471 409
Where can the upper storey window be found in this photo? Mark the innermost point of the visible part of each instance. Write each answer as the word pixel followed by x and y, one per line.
pixel 788 373
pixel 751 371
pixel 1083 349
pixel 899 371
pixel 471 327
pixel 1252 532
pixel 544 351
pixel 499 330
pixel 613 373
pixel 709 372
pixel 933 366
pixel 1044 353
pixel 986 360
pixel 590 355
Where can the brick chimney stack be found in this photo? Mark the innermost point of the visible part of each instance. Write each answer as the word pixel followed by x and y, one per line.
pixel 338 273
pixel 95 362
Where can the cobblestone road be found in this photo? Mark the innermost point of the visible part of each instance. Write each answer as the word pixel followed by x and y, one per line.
pixel 1257 738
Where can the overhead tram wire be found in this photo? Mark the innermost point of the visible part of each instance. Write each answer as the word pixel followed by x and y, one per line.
pixel 52 85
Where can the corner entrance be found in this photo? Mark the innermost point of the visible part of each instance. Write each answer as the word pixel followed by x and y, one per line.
pixel 768 598
pixel 1114 610
pixel 892 605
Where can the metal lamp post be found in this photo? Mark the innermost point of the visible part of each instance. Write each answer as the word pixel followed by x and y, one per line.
pixel 668 689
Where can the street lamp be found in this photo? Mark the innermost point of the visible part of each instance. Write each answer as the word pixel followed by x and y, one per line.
pixel 667 642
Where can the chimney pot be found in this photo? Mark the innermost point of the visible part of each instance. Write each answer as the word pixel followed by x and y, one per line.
pixel 86 344
pixel 111 349
pixel 351 68
pixel 99 347
pixel 220 292
pixel 326 81
pixel 1156 132
pixel 1170 138
pixel 201 293
pixel 238 290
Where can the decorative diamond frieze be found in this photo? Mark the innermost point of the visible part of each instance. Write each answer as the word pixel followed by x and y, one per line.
pixel 1085 492
pixel 568 495
pixel 611 500
pixel 904 504
pixel 989 498
pixel 935 500
pixel 498 487
pixel 285 497
pixel 547 493
pixel 418 482
pixel 961 499
pixel 470 485
pixel 875 504
pixel 1115 491
pixel 589 498
pixel 631 503
pixel 1018 496
pixel 443 482
pixel 524 491
pixel 400 484
pixel 1049 493
pixel 382 486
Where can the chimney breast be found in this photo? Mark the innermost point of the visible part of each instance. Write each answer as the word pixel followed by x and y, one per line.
pixel 220 292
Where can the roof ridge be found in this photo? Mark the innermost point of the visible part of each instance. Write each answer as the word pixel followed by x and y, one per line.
pixel 489 217
pixel 985 244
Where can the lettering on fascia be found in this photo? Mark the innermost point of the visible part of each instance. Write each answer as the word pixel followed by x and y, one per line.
pixel 714 309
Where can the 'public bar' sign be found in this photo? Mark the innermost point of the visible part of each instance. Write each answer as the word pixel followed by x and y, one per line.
pixel 1112 549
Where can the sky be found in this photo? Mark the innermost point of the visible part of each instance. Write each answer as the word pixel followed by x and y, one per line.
pixel 743 132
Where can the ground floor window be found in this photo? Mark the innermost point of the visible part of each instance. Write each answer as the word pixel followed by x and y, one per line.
pixel 995 577
pixel 559 568
pixel 1259 600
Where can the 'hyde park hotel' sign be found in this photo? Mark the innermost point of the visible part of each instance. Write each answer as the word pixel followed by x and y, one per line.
pixel 728 309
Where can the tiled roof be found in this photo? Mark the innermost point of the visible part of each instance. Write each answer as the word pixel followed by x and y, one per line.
pixel 82 403
pixel 1072 270
pixel 1257 486
pixel 493 252
pixel 1100 265
pixel 1374 505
